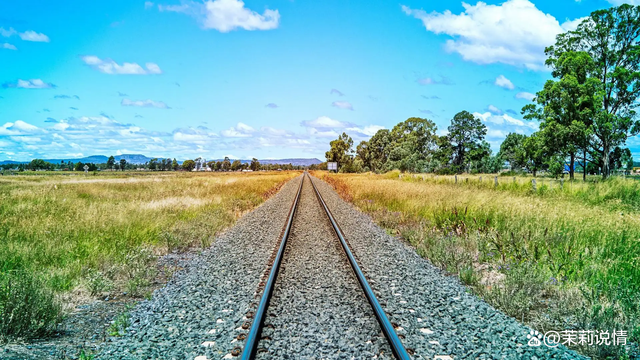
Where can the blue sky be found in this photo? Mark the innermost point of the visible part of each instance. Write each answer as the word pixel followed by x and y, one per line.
pixel 262 78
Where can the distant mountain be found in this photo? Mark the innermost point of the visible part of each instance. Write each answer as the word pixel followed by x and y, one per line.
pixel 101 159
pixel 141 159
pixel 10 162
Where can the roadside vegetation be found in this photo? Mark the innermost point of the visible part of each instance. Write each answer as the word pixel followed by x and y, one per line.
pixel 553 251
pixel 552 262
pixel 67 239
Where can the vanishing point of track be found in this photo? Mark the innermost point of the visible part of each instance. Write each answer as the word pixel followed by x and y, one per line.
pixel 253 338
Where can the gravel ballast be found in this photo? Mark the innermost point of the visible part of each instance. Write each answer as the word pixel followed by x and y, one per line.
pixel 318 310
pixel 202 309
pixel 436 314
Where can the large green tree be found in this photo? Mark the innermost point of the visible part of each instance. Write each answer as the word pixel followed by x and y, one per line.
pixel 341 152
pixel 378 149
pixel 188 165
pixel 610 37
pixel 411 144
pixel 535 152
pixel 565 107
pixel 465 133
pixel 512 150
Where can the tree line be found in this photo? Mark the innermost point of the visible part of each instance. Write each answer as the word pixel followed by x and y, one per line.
pixel 155 164
pixel 585 113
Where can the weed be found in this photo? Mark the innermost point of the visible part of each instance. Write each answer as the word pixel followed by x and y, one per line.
pixel 120 324
pixel 28 308
pixel 86 355
pixel 97 282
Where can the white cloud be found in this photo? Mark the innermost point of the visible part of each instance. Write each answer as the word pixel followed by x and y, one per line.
pixel 505 119
pixel 61 126
pixel 29 84
pixel 148 4
pixel 525 95
pixel 144 103
pixel 494 110
pixel 30 35
pixel 109 66
pixel 240 130
pixel 8 46
pixel 324 122
pixel 199 135
pixel 227 15
pixel 7 33
pixel 342 105
pixel 495 133
pixel 18 127
pixel 571 25
pixel 514 32
pixel 369 130
pixel 503 82
pixel 323 133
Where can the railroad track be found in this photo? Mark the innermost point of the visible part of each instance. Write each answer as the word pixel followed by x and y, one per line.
pixel 255 335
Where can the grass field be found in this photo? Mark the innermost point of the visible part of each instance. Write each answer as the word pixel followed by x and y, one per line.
pixel 62 234
pixel 568 259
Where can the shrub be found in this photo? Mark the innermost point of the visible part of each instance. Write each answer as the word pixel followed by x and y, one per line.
pixel 97 282
pixel 27 307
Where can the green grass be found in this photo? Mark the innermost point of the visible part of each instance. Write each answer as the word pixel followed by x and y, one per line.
pixel 551 259
pixel 103 232
pixel 616 192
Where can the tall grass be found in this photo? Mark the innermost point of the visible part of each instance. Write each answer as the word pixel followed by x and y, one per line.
pixel 617 192
pixel 104 231
pixel 553 261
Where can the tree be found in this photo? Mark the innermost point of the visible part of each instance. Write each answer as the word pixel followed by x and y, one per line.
pixel 153 164
pixel 465 132
pixel 188 165
pixel 236 165
pixel 610 37
pixel 363 156
pixel 38 164
pixel 412 142
pixel 477 153
pixel 512 150
pixel 378 149
pixel 442 155
pixel 123 163
pixel 565 107
pixel 78 166
pixel 255 164
pixel 226 164
pixel 341 152
pixel 174 165
pixel 218 165
pixel 535 155
pixel 111 162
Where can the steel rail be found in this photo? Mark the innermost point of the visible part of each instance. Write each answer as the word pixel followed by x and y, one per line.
pixel 253 337
pixel 396 345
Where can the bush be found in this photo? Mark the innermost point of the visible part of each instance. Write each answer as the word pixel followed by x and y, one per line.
pixel 27 307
